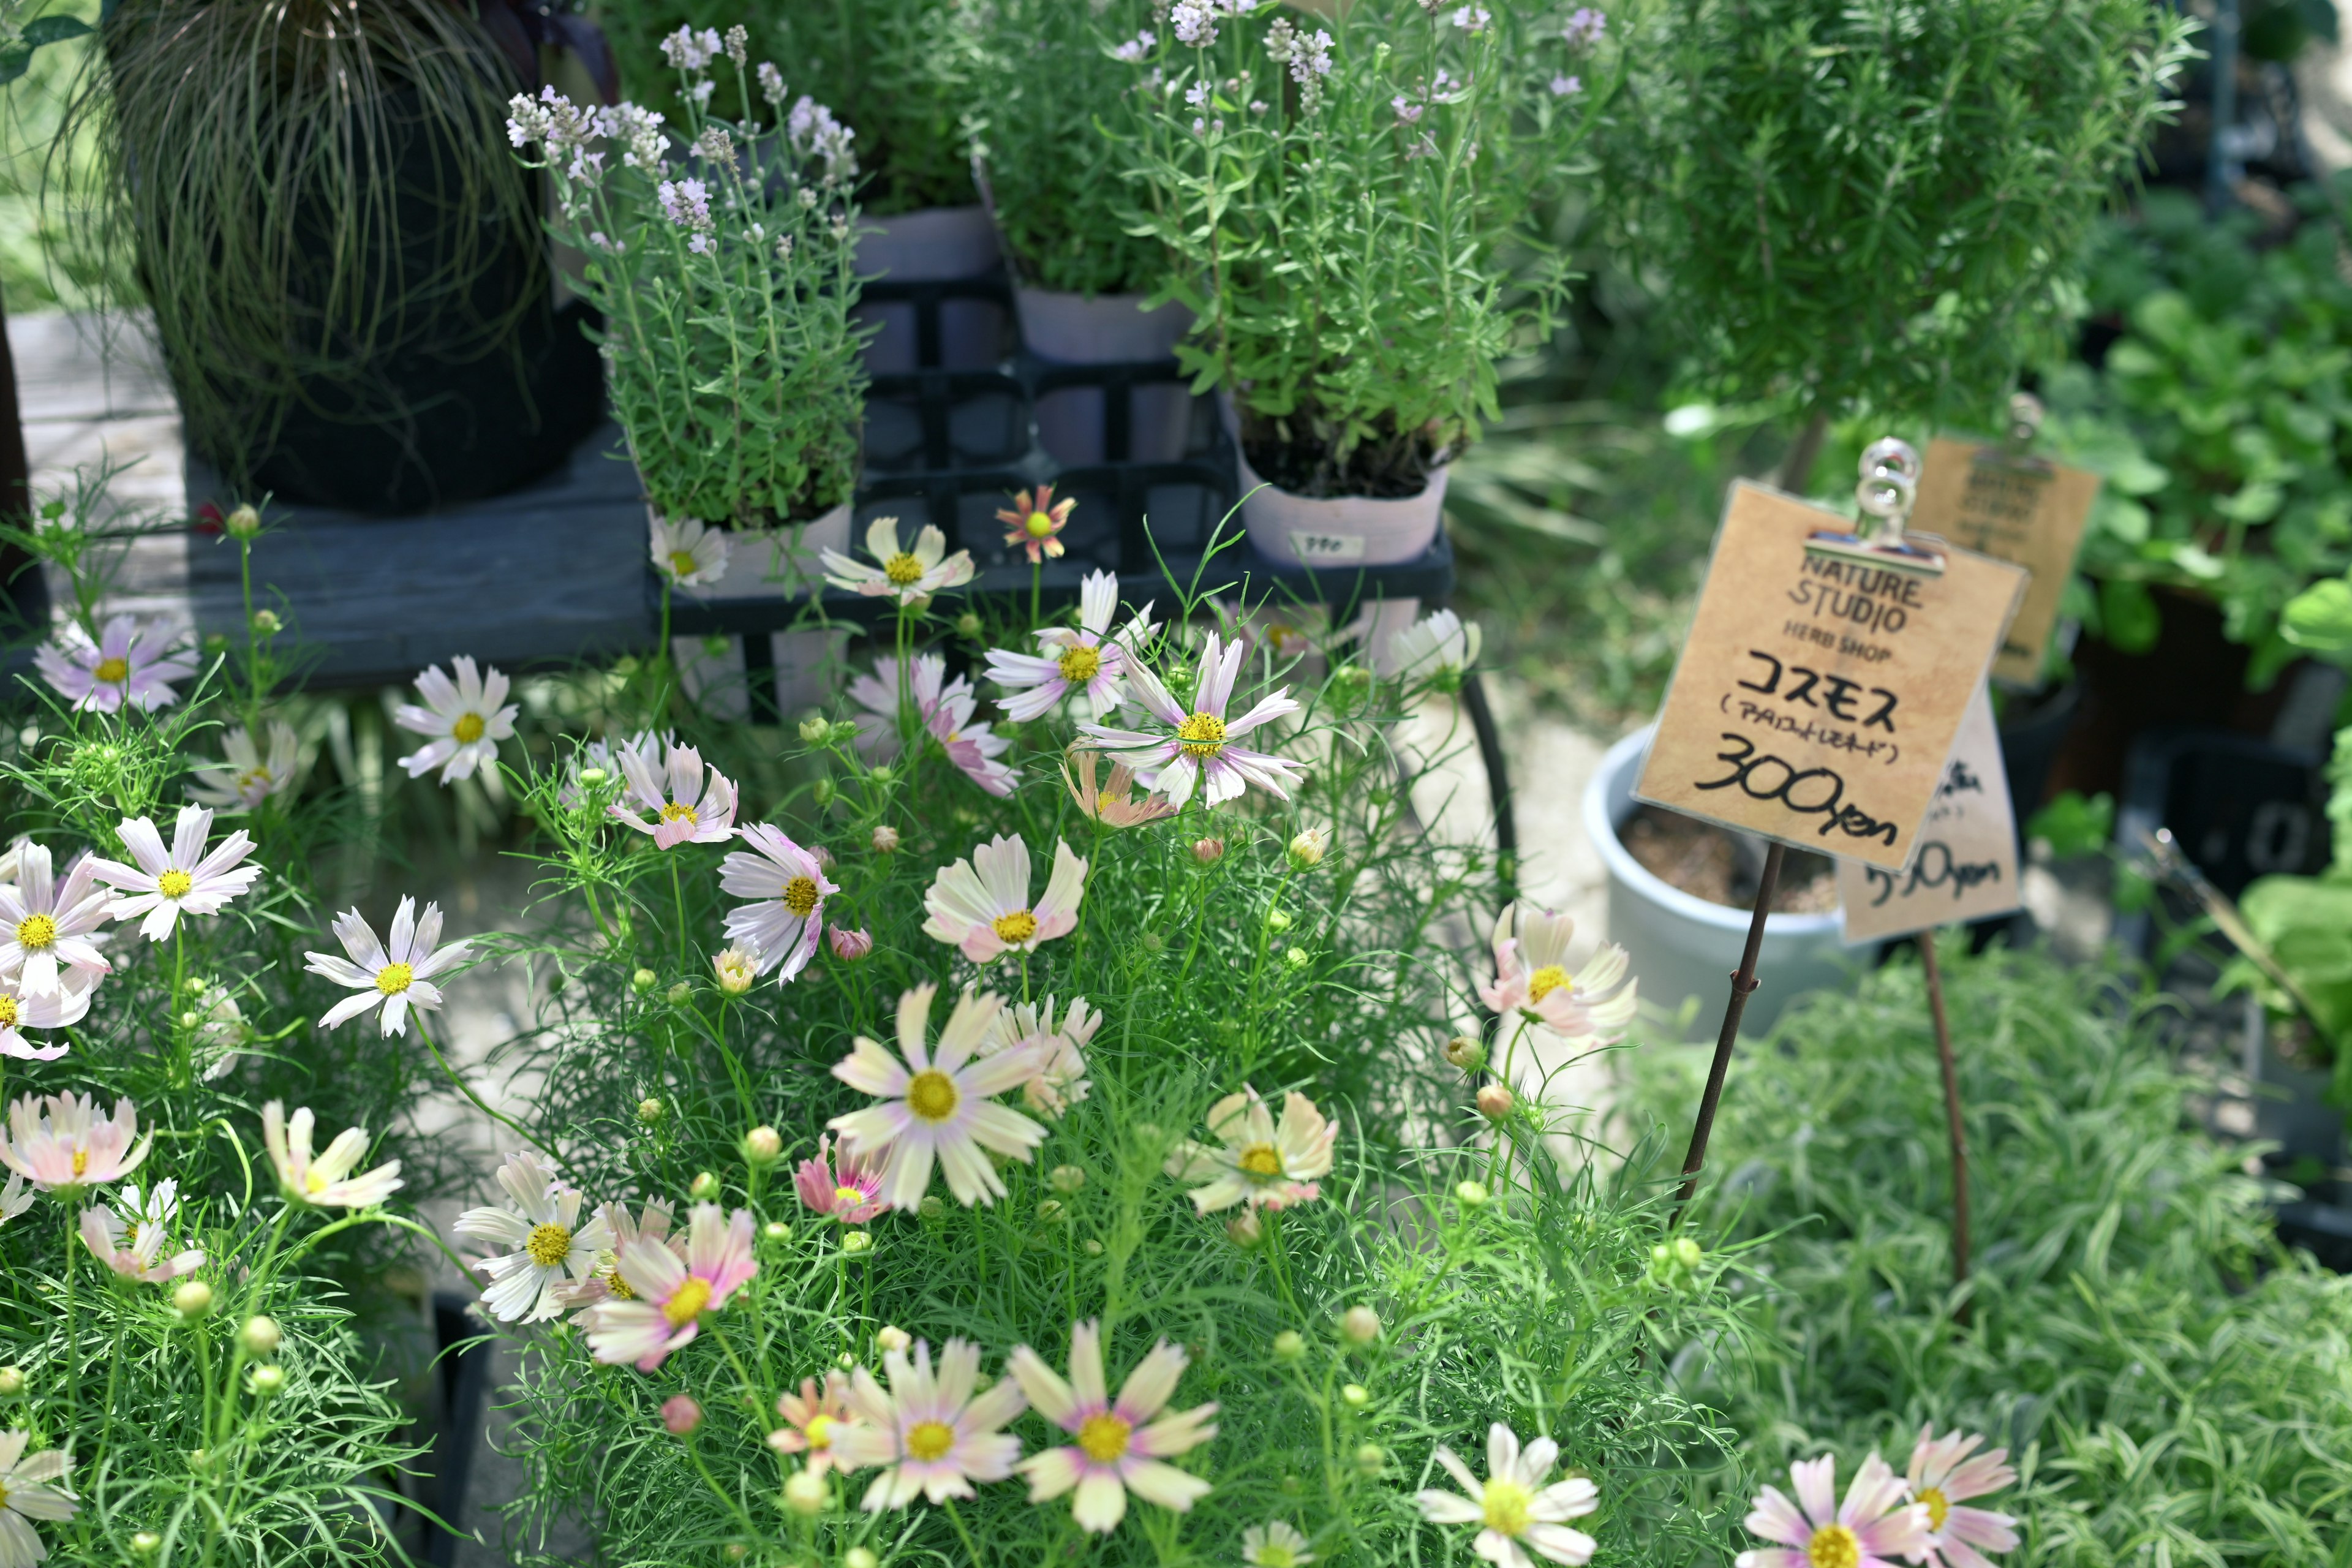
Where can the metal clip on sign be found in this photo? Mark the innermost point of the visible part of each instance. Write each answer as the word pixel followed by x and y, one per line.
pixel 1890 481
pixel 2026 415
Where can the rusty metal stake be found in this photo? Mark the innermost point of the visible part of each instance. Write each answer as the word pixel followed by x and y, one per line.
pixel 1743 982
pixel 1951 1116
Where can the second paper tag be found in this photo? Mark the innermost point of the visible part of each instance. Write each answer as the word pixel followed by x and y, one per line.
pixel 1966 867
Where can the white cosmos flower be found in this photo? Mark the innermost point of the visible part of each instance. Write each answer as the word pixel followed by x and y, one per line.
pixel 581 1298
pixel 63 1008
pixel 784 928
pixel 1258 1164
pixel 323 1180
pixel 1517 1512
pixel 1277 1544
pixel 1119 1447
pixel 908 576
pixel 30 1489
pixel 1439 649
pixel 45 924
pixel 164 884
pixel 242 778
pixel 1198 750
pixel 1532 978
pixel 466 718
pixel 129 664
pixel 1085 660
pixel 16 1197
pixel 132 1243
pixel 931 1431
pixel 1058 1080
pixel 542 1240
pixel 937 1107
pixel 982 905
pixel 689 810
pixel 394 978
pixel 689 553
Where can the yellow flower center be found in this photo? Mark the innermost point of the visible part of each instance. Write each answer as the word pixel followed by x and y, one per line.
pixel 1274 1554
pixel 113 671
pixel 314 1181
pixel 1203 735
pixel 1261 1160
pixel 7 1012
pixel 1102 1437
pixel 682 563
pixel 800 895
pixel 672 811
pixel 687 1302
pixel 549 1245
pixel 1015 928
pixel 467 729
pixel 1545 981
pixel 82 1162
pixel 1940 1507
pixel 820 1431
pixel 1505 1507
pixel 903 569
pixel 1039 524
pixel 37 931
pixel 254 780
pixel 1833 1546
pixel 932 1096
pixel 1080 664
pixel 848 1197
pixel 929 1440
pixel 174 884
pixel 394 978
pixel 620 1287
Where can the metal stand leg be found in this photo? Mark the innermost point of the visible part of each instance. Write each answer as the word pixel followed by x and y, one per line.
pixel 1499 781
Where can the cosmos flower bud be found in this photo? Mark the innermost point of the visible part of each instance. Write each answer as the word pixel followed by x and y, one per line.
pixel 192 1300
pixel 821 792
pixel 705 1188
pixel 1289 1345
pixel 242 524
pixel 805 1493
pixel 817 730
pixel 679 994
pixel 1465 1053
pixel 146 1544
pixel 1277 919
pixel 641 981
pixel 885 838
pixel 1244 1230
pixel 776 1230
pixel 857 1240
pixel 883 775
pixel 265 624
pixel 1356 1395
pixel 649 1109
pixel 859 1557
pixel 968 624
pixel 260 1336
pixel 1494 1101
pixel 1298 958
pixel 892 1337
pixel 266 1380
pixel 1207 851
pixel 11 1382
pixel 1049 1211
pixel 1370 1458
pixel 1473 1195
pixel 1306 849
pixel 849 946
pixel 1360 1325
pixel 1688 1253
pixel 933 1207
pixel 680 1414
pixel 1068 1178
pixel 762 1146
pixel 735 969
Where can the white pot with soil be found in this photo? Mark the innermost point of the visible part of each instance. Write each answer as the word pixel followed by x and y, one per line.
pixel 1683 945
pixel 765 563
pixel 1336 531
pixel 931 245
pixel 1106 329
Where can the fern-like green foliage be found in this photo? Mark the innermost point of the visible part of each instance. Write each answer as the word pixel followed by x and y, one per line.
pixel 1878 203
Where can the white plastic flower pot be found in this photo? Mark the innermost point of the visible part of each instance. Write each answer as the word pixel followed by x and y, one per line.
pixel 1109 329
pixel 933 245
pixel 1337 531
pixel 1682 946
pixel 769 563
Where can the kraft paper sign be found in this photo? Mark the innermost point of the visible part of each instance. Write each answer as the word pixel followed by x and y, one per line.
pixel 1966 866
pixel 2018 509
pixel 1817 698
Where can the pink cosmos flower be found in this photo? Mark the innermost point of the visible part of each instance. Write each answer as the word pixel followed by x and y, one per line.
pixel 1942 1474
pixel 1259 1164
pixel 1872 1529
pixel 1532 977
pixel 165 884
pixel 849 946
pixel 129 663
pixel 1035 526
pixel 1112 804
pixel 1119 1447
pixel 930 1433
pixel 691 811
pixel 813 1420
pixel 44 924
pixel 1086 659
pixel 668 1297
pixel 66 1147
pixel 945 709
pixel 841 1187
pixel 1198 750
pixel 583 1296
pixel 791 887
pixel 134 1248
pixel 982 905
pixel 936 1107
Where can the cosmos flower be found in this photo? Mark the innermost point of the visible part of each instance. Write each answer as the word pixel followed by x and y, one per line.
pixel 67 1005
pixel 1035 525
pixel 688 553
pixel 790 882
pixel 44 924
pixel 1440 650
pixel 129 664
pixel 323 1180
pixel 394 978
pixel 937 1106
pixel 1532 977
pixel 1112 805
pixel 932 1434
pixel 1259 1164
pixel 1086 659
pixel 849 945
pixel 689 810
pixel 1514 1509
pixel 164 884
pixel 1873 1528
pixel 944 708
pixel 1119 1447
pixel 668 1296
pixel 30 1489
pixel 543 1241
pixel 1058 1080
pixel 1199 750
pixel 1277 1544
pixel 909 577
pixel 813 1419
pixel 582 1297
pixel 464 721
pixel 982 905
pixel 839 1187
pixel 16 1197
pixel 66 1148
pixel 133 1247
pixel 1942 1475
pixel 242 778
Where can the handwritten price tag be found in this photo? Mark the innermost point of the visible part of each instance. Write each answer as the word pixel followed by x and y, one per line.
pixel 2022 509
pixel 1966 865
pixel 1817 698
pixel 1311 547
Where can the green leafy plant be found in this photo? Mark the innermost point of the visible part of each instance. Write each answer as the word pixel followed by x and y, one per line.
pixel 1347 207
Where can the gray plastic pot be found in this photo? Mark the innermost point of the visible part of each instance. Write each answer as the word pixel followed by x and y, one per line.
pixel 1109 329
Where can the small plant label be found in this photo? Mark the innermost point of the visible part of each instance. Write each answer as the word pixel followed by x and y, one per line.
pixel 1817 698
pixel 1311 547
pixel 1966 865
pixel 2021 509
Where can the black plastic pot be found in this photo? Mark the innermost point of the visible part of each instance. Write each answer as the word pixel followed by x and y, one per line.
pixel 2034 725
